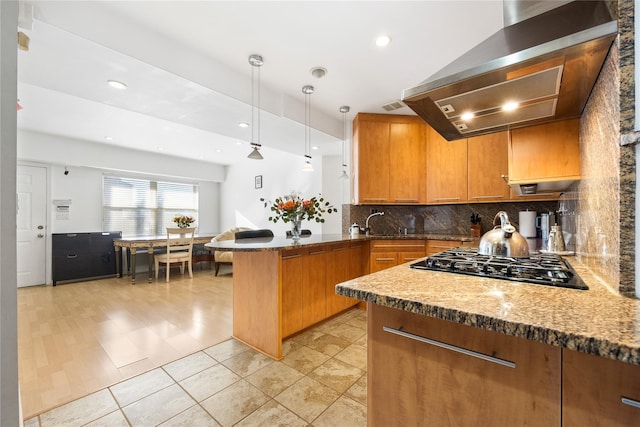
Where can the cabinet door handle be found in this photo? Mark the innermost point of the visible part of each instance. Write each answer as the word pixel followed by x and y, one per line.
pixel 407 200
pixel 374 200
pixel 630 402
pixel 385 259
pixel 487 197
pixel 338 249
pixel 447 199
pixel 291 256
pixel 457 349
pixel 72 256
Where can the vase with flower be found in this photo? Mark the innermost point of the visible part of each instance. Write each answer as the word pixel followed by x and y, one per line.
pixel 183 221
pixel 294 208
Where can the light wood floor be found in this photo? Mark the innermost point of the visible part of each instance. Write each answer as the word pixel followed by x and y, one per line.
pixel 77 338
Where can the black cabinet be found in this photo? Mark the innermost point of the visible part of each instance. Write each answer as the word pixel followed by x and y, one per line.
pixel 82 256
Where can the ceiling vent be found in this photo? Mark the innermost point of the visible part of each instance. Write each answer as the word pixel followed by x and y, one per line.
pixel 395 105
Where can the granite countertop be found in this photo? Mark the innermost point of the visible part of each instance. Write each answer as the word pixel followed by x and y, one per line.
pixel 278 243
pixel 597 321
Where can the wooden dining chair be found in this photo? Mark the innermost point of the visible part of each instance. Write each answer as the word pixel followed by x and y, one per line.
pixel 179 250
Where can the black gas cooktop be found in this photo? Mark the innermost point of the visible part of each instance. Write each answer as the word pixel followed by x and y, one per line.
pixel 541 269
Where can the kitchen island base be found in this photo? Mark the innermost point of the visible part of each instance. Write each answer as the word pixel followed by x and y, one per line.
pixel 278 293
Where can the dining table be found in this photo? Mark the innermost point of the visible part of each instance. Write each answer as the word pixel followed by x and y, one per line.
pixel 132 244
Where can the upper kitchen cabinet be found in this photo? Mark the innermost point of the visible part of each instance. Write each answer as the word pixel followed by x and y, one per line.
pixel 446 169
pixel 545 158
pixel 487 163
pixel 389 159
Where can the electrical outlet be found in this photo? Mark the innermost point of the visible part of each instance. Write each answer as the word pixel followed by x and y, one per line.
pixel 373 210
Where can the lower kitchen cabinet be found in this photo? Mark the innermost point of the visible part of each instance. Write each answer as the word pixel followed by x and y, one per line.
pixel 435 246
pixel 389 253
pixel 308 284
pixel 426 371
pixel 599 392
pixel 314 279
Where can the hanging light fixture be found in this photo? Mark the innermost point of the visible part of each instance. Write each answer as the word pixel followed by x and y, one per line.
pixel 256 62
pixel 307 90
pixel 344 110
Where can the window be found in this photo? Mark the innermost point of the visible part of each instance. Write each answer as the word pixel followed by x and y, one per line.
pixel 140 207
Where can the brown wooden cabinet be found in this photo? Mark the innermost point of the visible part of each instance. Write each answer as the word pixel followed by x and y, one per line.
pixel 389 253
pixel 545 152
pixel 435 246
pixel 314 279
pixel 346 262
pixel 599 392
pixel 446 169
pixel 427 371
pixel 308 285
pixel 292 278
pixel 388 159
pixel 487 163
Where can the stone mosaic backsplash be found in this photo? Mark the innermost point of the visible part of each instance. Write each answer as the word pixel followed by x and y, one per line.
pixel 441 219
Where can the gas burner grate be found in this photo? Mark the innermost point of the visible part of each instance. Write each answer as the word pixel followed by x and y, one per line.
pixel 541 269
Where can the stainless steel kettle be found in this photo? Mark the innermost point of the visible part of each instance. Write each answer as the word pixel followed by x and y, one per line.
pixel 503 240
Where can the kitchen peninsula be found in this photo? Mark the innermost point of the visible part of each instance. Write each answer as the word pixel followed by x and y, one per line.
pixel 543 355
pixel 281 287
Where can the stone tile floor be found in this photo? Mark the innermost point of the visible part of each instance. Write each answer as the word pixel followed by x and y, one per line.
pixel 321 381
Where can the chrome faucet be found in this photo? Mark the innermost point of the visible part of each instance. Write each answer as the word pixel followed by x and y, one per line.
pixel 366 225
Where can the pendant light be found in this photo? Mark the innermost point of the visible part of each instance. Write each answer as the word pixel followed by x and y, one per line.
pixel 256 62
pixel 344 110
pixel 307 90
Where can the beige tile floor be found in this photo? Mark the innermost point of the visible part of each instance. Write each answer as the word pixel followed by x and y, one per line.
pixel 321 381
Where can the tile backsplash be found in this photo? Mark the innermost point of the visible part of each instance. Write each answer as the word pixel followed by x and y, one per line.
pixel 441 219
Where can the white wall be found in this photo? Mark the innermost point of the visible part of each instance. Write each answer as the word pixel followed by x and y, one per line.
pixel 84 187
pixel 281 174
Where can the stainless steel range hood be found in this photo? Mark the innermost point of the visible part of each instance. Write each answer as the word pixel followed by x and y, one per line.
pixel 547 64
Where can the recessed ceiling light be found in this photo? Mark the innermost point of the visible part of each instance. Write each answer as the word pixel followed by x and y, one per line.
pixel 383 40
pixel 510 106
pixel 243 125
pixel 160 148
pixel 108 138
pixel 467 116
pixel 218 151
pixel 318 72
pixel 315 147
pixel 238 143
pixel 116 84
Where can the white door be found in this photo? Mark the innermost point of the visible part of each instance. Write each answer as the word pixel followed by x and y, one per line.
pixel 32 219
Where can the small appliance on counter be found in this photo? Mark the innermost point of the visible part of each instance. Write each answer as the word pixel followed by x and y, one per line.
pixel 354 230
pixel 527 222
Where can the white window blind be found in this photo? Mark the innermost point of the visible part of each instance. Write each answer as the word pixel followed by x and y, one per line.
pixel 140 207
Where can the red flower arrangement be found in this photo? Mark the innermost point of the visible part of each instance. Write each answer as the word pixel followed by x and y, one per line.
pixel 293 206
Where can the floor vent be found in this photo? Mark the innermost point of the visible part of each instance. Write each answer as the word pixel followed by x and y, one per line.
pixel 395 105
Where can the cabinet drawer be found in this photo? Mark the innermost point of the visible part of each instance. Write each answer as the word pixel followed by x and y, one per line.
pixel 435 246
pixel 71 266
pixel 429 371
pixel 397 245
pixel 70 243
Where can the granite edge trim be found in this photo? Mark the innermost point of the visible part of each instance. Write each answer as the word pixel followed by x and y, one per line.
pixel 345 239
pixel 570 341
pixel 630 138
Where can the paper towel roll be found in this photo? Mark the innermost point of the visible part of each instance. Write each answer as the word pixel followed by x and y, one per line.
pixel 527 223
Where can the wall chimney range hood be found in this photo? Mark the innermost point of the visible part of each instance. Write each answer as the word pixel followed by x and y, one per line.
pixel 544 60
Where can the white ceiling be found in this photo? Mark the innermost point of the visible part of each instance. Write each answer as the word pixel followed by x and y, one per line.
pixel 189 80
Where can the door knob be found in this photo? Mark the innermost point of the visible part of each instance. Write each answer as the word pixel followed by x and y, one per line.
pixel 41 235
